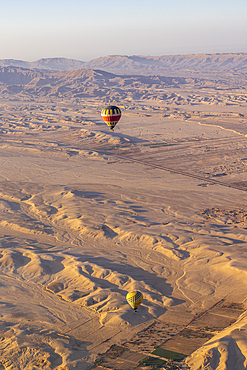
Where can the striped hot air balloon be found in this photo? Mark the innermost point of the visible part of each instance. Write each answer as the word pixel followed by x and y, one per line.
pixel 134 299
pixel 111 115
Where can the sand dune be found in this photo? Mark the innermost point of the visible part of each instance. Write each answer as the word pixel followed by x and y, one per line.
pixel 158 205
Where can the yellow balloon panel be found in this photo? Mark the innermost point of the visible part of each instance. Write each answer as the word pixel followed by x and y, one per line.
pixel 134 299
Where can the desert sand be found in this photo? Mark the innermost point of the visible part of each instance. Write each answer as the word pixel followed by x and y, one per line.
pixel 159 205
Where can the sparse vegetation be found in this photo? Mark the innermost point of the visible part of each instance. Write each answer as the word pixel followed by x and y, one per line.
pixel 156 363
pixel 169 354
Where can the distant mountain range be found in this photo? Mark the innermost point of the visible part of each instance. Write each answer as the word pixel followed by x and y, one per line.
pixel 47 64
pixel 187 65
pixel 22 83
pixel 82 83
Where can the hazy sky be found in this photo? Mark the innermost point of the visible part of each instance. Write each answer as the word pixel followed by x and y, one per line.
pixel 87 29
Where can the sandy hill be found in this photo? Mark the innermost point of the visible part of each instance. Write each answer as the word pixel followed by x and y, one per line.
pixel 12 75
pixel 17 75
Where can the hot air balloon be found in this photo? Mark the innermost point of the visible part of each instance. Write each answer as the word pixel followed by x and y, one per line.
pixel 111 115
pixel 134 299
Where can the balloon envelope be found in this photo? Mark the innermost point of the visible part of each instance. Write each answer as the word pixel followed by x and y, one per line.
pixel 134 299
pixel 111 115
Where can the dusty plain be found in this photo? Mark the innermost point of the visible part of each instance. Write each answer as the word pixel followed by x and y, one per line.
pixel 86 215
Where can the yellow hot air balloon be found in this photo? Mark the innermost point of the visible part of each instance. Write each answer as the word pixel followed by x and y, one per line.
pixel 134 299
pixel 111 115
